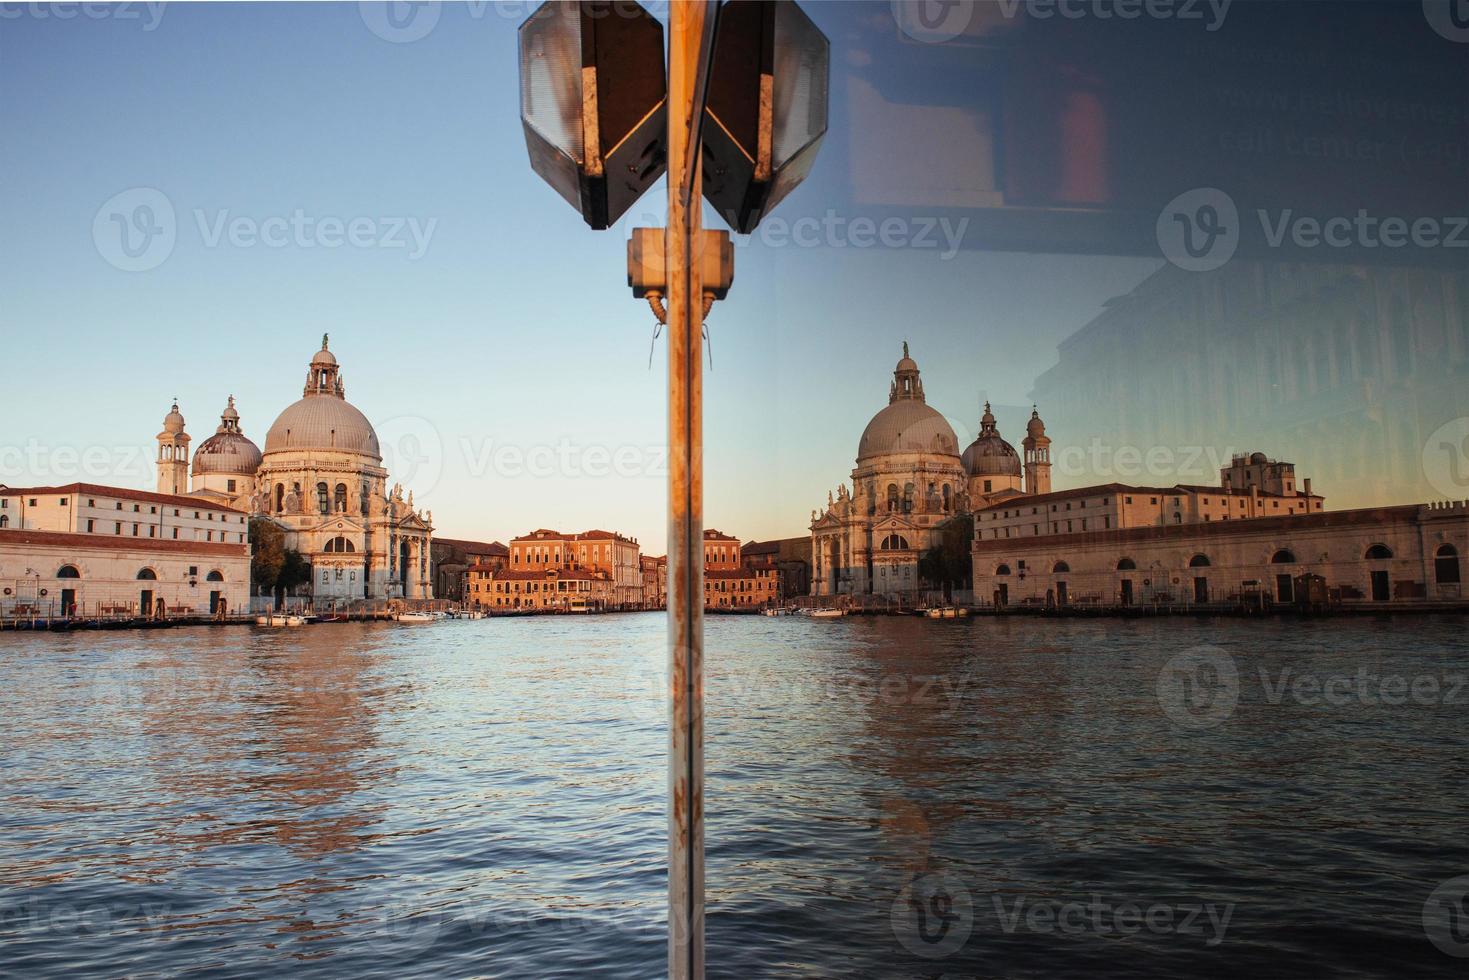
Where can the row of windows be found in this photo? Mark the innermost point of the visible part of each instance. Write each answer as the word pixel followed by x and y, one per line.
pixel 137 508
pixel 144 574
pixel 1446 555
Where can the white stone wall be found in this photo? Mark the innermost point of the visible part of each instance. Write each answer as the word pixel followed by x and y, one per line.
pixel 108 574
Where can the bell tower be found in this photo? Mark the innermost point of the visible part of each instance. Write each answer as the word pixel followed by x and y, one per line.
pixel 173 454
pixel 1037 455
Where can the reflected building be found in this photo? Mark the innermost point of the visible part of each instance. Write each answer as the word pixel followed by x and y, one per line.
pixel 1344 369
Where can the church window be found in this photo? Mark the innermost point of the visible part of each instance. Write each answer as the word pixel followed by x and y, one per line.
pixel 229 486
pixel 1446 565
pixel 322 504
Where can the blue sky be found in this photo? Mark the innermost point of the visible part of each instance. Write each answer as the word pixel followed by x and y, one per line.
pixel 513 327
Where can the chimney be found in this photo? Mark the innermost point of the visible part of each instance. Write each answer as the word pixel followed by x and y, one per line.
pixel 1307 484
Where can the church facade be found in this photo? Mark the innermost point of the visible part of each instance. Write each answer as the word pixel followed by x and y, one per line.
pixel 320 478
pixel 910 480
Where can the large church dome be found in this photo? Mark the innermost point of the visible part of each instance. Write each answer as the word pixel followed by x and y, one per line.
pixel 907 424
pixel 228 450
pixel 323 418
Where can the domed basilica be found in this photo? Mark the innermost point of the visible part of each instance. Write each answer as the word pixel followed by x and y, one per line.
pixel 321 479
pixel 911 480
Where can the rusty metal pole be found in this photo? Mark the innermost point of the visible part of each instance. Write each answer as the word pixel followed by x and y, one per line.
pixel 690 43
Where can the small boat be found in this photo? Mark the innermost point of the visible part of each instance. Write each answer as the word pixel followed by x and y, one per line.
pixel 828 613
pixel 416 617
pixel 280 619
pixel 777 611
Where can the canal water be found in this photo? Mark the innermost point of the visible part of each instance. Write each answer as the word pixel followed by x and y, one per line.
pixel 886 797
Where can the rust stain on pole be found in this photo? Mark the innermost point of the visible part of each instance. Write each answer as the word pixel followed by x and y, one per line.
pixel 690 43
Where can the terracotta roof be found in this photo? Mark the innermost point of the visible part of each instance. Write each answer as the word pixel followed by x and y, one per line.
pixel 761 548
pixel 123 493
pixel 474 547
pixel 710 534
pixel 10 537
pixel 598 534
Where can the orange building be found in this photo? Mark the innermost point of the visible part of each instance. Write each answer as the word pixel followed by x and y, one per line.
pixel 606 553
pixel 495 589
pixel 728 583
pixel 655 581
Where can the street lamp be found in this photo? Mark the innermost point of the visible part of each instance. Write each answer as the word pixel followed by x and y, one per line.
pixel 767 108
pixel 592 103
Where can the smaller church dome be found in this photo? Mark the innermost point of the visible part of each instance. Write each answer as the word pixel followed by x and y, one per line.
pixel 228 450
pixel 988 454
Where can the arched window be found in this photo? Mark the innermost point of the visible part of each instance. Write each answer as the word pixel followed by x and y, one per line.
pixel 1199 561
pixel 948 499
pixel 214 576
pixel 280 497
pixel 339 500
pixel 1126 565
pixel 894 542
pixel 4 520
pixel 907 498
pixel 1061 568
pixel 340 544
pixel 68 571
pixel 1003 570
pixel 1283 557
pixel 892 497
pixel 1379 552
pixel 147 575
pixel 323 505
pixel 1446 565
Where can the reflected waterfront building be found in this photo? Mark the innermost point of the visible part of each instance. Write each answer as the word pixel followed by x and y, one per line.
pixel 1344 369
pixel 911 481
